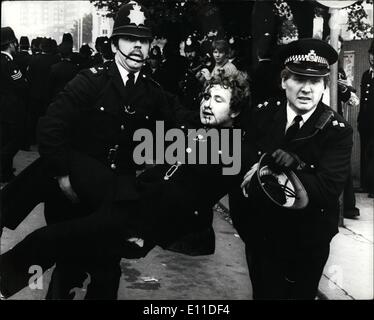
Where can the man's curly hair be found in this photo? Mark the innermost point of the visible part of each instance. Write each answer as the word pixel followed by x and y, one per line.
pixel 240 91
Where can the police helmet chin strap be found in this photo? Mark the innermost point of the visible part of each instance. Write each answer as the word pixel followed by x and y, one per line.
pixel 130 58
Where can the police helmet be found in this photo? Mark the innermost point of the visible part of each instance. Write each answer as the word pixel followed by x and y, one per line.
pixel 275 185
pixel 132 19
pixel 7 36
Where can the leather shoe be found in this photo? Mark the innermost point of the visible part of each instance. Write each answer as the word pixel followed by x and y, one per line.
pixel 351 213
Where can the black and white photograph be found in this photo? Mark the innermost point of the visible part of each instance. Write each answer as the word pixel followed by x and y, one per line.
pixel 186 154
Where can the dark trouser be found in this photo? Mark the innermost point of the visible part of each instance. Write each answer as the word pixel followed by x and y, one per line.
pixel 71 232
pixel 279 273
pixel 370 168
pixel 364 161
pixel 36 108
pixel 97 240
pixel 11 140
pixel 349 195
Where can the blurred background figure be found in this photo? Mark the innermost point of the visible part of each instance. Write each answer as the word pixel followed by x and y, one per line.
pixel 61 72
pixel 35 46
pixel 97 58
pixel 265 73
pixel 38 76
pixel 23 57
pixel 13 92
pixel 190 85
pixel 173 68
pixel 153 63
pixel 85 60
pixel 106 51
pixel 220 50
pixel 365 126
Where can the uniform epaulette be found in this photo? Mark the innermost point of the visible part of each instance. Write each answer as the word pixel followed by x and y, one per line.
pixel 98 69
pixel 336 123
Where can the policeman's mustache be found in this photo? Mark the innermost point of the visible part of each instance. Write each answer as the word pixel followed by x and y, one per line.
pixel 140 60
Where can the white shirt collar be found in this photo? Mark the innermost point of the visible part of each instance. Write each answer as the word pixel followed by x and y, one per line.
pixel 291 114
pixel 8 54
pixel 124 74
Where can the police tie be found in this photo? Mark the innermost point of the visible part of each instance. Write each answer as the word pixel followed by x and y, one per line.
pixel 292 130
pixel 130 83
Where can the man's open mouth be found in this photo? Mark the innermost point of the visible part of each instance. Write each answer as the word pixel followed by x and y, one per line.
pixel 304 99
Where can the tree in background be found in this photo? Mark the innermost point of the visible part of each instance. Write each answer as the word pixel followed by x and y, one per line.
pixel 181 18
pixel 186 16
pixel 357 21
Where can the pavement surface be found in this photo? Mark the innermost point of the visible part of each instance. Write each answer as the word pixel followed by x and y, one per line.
pixel 162 274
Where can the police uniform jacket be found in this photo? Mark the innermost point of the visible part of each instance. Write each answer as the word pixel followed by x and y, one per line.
pixel 366 103
pixel 38 75
pixel 323 149
pixel 23 59
pixel 178 199
pixel 96 115
pixel 61 73
pixel 13 89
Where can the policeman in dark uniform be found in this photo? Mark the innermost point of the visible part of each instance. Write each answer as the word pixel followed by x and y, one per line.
pixel 190 85
pixel 365 126
pixel 61 72
pixel 96 115
pixel 38 76
pixel 287 249
pixel 23 57
pixel 13 90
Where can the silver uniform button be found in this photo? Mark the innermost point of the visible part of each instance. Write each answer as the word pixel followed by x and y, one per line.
pixel 122 127
pixel 367 91
pixel 312 166
pixel 113 166
pixel 147 117
pixel 188 150
pixel 196 212
pixel 259 153
pixel 102 108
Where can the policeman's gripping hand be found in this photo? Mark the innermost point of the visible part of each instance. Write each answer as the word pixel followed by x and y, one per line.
pixel 283 158
pixel 206 74
pixel 67 189
pixel 247 178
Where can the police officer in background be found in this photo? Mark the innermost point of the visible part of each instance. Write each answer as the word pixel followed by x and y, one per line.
pixel 365 126
pixel 286 248
pixel 13 107
pixel 89 128
pixel 23 57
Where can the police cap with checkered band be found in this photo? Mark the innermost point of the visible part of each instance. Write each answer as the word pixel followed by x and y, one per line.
pixel 132 19
pixel 309 57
